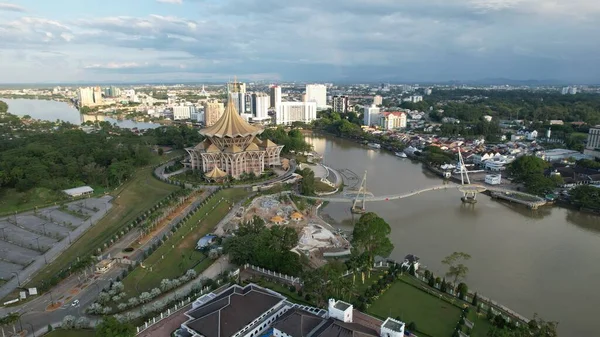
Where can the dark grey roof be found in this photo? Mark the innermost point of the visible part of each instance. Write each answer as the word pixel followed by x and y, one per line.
pixel 297 323
pixel 341 305
pixel 231 311
pixel 335 328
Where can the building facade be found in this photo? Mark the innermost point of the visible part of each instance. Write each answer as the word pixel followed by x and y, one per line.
pixel 275 95
pixel 183 112
pixel 592 147
pixel 377 100
pixel 371 115
pixel 212 112
pixel 289 112
pixel 340 104
pixel 232 146
pixel 260 105
pixel 392 120
pixel 317 93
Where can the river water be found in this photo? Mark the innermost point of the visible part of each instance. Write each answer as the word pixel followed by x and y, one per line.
pixel 53 110
pixel 542 261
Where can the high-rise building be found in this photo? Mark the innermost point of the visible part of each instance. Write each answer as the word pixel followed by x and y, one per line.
pixel 377 100
pixel 340 104
pixel 317 93
pixel 238 99
pixel 260 105
pixel 85 96
pixel 428 91
pixel 572 90
pixel 392 120
pixel 212 112
pixel 275 93
pixel 593 141
pixel 371 114
pixel 289 112
pixel 236 87
pixel 183 112
pixel 231 148
pixel 592 148
pixel 97 95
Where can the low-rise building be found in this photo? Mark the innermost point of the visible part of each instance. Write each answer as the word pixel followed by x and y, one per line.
pixel 493 179
pixel 79 191
pixel 250 311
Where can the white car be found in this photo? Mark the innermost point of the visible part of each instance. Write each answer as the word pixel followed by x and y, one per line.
pixel 75 303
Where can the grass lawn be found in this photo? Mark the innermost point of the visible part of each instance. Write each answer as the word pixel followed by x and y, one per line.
pixel 178 254
pixel 323 187
pixel 359 286
pixel 71 333
pixel 433 317
pixel 482 325
pixel 13 201
pixel 135 196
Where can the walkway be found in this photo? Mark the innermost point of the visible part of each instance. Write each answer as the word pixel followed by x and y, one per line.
pixel 471 187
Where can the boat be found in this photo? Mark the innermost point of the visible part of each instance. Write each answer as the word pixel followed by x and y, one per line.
pixel 374 145
pixel 401 154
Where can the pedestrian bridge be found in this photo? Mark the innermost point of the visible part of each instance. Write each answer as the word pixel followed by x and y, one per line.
pixel 532 201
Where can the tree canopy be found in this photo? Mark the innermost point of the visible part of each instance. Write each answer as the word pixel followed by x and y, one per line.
pixel 269 248
pixel 111 327
pixel 526 166
pixel 586 196
pixel 371 236
pixel 456 268
pixel 292 140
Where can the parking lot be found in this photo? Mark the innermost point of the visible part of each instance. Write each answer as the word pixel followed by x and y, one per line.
pixel 28 236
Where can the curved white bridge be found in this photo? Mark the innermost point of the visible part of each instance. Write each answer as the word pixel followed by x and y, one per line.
pixel 467 188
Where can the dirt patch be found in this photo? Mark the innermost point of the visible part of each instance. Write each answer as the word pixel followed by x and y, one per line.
pixel 74 291
pixel 178 211
pixel 68 298
pixel 54 306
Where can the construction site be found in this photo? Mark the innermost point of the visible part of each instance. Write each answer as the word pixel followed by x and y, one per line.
pixel 316 239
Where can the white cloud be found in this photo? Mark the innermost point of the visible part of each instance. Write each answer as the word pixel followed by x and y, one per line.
pixel 11 7
pixel 437 39
pixel 177 2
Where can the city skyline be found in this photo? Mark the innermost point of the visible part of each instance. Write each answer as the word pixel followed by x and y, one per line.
pixel 338 41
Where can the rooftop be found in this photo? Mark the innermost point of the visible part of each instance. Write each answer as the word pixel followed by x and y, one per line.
pixel 393 325
pixel 79 190
pixel 341 305
pixel 230 125
pixel 232 310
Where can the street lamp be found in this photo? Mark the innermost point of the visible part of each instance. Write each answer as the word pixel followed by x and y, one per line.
pixel 69 235
pixel 17 274
pixel 44 228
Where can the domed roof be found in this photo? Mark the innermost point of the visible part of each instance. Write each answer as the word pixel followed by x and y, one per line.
pixel 231 124
pixel 212 149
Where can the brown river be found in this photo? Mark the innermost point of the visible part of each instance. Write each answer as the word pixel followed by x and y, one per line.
pixel 542 261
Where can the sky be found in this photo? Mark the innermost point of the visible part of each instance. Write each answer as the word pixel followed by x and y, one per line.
pixel 66 41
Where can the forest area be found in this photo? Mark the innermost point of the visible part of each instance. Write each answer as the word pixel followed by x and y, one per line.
pixel 34 155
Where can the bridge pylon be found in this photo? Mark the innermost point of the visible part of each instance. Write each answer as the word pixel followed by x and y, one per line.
pixel 469 194
pixel 356 208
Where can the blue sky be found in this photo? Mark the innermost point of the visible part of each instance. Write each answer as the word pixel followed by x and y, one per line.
pixel 304 40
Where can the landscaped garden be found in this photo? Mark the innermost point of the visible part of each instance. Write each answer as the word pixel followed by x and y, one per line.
pixel 176 259
pixel 432 316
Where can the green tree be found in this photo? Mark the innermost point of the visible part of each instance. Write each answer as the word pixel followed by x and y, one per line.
pixel 586 196
pixel 456 269
pixel 525 167
pixel 307 185
pixel 475 300
pixel 371 236
pixel 111 327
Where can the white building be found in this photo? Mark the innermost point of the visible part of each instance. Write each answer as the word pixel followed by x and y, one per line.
pixel 275 95
pixel 428 91
pixel 377 100
pixel 183 112
pixel 85 96
pixel 288 112
pixel 531 135
pixel 371 115
pixel 251 311
pixel 392 120
pixel 493 179
pixel 260 105
pixel 415 99
pixel 239 101
pixel 340 104
pixel 317 93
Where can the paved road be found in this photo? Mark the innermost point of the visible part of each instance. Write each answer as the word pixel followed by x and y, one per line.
pixel 55 251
